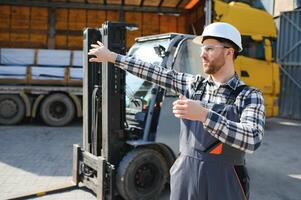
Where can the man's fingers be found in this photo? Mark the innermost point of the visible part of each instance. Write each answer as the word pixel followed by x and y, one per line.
pixel 94 45
pixel 179 116
pixel 179 107
pixel 99 43
pixel 92 50
pixel 93 60
pixel 180 112
pixel 181 102
pixel 182 97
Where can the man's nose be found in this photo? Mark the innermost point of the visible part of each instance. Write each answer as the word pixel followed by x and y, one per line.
pixel 203 54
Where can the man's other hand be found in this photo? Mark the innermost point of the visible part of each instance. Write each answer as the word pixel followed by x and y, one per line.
pixel 189 109
pixel 102 53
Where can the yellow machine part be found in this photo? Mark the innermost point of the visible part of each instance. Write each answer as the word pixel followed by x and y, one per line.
pixel 262 23
pixel 262 74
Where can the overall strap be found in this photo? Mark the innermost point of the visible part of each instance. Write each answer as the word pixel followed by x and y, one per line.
pixel 216 147
pixel 233 95
pixel 199 89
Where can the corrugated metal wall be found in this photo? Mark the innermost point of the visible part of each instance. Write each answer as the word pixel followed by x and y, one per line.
pixel 289 58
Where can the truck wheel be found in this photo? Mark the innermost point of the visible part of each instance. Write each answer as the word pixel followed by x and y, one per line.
pixel 57 110
pixel 12 109
pixel 141 174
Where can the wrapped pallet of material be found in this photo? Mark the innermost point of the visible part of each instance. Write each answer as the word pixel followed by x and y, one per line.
pixel 75 76
pixel 76 73
pixel 13 74
pixel 49 57
pixel 15 56
pixel 77 59
pixel 48 75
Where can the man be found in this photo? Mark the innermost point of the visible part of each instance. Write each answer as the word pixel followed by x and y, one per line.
pixel 221 117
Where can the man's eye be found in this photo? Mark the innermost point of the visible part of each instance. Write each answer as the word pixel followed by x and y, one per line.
pixel 208 48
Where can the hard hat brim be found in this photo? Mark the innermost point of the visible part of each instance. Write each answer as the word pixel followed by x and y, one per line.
pixel 198 40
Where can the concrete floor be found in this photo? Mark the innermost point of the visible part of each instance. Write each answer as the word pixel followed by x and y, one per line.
pixel 275 169
pixel 33 156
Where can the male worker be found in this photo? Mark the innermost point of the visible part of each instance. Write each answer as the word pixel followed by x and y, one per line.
pixel 221 117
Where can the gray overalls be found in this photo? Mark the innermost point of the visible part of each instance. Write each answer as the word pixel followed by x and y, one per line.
pixel 202 172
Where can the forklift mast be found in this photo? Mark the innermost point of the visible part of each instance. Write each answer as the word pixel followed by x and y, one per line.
pixel 104 114
pixel 113 95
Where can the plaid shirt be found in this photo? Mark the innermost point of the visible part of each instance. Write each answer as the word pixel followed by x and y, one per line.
pixel 245 135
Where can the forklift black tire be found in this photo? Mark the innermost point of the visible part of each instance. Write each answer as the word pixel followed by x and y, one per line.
pixel 57 110
pixel 12 109
pixel 142 174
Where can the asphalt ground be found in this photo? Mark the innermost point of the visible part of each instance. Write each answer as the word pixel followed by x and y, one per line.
pixel 35 157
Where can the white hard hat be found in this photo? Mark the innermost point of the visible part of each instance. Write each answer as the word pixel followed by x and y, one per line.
pixel 221 30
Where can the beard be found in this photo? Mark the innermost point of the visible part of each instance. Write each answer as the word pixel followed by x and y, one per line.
pixel 211 67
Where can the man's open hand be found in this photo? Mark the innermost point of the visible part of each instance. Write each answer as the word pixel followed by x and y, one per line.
pixel 189 109
pixel 102 53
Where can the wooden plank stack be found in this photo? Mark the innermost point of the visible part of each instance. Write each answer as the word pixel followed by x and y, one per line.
pixel 62 27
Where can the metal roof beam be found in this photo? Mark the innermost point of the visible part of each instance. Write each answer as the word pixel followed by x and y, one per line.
pixel 91 6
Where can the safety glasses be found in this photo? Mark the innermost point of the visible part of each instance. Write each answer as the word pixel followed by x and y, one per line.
pixel 211 48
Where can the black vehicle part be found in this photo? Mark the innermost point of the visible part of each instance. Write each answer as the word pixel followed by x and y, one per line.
pixel 160 51
pixel 57 110
pixel 157 92
pixel 104 139
pixel 91 81
pixel 96 102
pixel 12 109
pixel 113 95
pixel 142 174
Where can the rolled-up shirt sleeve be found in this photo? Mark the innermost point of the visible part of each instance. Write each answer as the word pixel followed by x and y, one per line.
pixel 245 135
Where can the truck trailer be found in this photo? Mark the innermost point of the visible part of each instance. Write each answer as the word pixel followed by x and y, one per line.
pixel 58 98
pixel 40 82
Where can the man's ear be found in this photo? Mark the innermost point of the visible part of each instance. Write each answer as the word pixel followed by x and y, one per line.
pixel 230 51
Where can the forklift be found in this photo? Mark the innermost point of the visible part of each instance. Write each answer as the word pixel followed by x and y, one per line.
pixel 130 136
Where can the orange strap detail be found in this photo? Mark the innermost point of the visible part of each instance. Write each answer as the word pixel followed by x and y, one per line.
pixel 217 150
